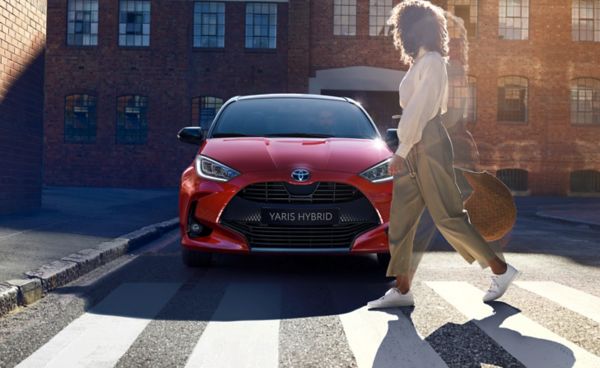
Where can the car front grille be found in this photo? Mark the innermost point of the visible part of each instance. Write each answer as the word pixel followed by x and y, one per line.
pixel 305 237
pixel 281 192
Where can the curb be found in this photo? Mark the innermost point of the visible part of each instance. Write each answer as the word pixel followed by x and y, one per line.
pixel 565 220
pixel 40 281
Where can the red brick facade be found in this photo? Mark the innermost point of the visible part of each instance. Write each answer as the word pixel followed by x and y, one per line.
pixel 308 56
pixel 22 39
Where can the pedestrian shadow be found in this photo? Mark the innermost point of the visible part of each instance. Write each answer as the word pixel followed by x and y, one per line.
pixel 472 344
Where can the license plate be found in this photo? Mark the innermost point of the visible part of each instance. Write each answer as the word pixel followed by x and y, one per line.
pixel 274 216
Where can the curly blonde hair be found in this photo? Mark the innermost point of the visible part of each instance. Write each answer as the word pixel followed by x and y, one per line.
pixel 415 24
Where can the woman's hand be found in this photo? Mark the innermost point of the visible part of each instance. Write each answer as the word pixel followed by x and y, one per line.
pixel 395 165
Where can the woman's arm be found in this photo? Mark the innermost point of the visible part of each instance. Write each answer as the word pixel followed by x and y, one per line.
pixel 424 103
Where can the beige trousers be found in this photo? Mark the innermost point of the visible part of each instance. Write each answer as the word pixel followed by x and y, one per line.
pixel 428 180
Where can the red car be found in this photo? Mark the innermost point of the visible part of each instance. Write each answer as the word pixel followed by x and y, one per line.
pixel 286 173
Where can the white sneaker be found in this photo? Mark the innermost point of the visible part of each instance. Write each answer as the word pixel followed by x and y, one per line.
pixel 392 298
pixel 500 283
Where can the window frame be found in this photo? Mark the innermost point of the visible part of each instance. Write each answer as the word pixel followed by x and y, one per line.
pixel 473 4
pixel 513 172
pixel 504 5
pixel 119 128
pixel 199 35
pixel 196 117
pixel 500 113
pixel 275 5
pixel 67 24
pixel 595 100
pixel 355 17
pixel 92 124
pixel 143 35
pixel 380 18
pixel 576 32
pixel 595 176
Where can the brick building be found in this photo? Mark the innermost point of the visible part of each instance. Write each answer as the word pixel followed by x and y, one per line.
pixel 22 40
pixel 123 76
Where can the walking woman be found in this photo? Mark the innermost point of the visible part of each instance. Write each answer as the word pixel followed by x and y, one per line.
pixel 422 165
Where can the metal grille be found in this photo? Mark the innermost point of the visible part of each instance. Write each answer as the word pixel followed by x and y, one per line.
pixel 320 192
pixel 339 236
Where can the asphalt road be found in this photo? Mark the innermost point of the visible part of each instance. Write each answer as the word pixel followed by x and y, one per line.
pixel 148 310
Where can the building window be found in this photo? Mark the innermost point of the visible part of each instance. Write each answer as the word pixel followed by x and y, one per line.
pixel 515 179
pixel 585 101
pixel 80 119
pixel 512 99
pixel 82 24
pixel 467 11
pixel 344 17
pixel 379 12
pixel 134 23
pixel 586 20
pixel 209 24
pixel 261 26
pixel 585 181
pixel 204 110
pixel 514 19
pixel 132 123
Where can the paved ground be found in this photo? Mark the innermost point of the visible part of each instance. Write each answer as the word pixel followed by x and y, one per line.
pixel 72 219
pixel 147 310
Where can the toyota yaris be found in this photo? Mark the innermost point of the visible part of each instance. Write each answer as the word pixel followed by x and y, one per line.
pixel 285 173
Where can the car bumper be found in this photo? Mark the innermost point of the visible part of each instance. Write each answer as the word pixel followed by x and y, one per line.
pixel 209 204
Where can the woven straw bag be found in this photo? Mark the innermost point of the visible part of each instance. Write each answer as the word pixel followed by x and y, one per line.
pixel 491 206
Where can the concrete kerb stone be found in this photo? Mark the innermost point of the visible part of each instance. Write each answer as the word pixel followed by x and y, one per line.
pixel 58 273
pixel 29 290
pixel 8 298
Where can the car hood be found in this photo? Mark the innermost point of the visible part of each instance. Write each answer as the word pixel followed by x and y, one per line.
pixel 247 154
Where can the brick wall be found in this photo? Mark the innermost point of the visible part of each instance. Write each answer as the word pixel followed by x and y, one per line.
pixel 22 39
pixel 548 146
pixel 170 72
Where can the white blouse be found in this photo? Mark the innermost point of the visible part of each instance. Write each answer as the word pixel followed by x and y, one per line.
pixel 423 92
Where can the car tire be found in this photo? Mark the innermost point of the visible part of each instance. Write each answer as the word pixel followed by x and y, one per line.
pixel 383 259
pixel 195 258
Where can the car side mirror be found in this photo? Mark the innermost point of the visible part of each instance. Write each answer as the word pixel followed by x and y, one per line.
pixel 193 135
pixel 391 139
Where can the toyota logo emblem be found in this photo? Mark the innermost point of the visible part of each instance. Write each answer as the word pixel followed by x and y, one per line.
pixel 300 175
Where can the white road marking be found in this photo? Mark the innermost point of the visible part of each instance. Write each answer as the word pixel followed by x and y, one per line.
pixel 530 343
pixel 383 339
pixel 101 336
pixel 244 330
pixel 578 301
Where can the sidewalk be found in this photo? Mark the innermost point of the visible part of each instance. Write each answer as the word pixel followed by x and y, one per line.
pixel 74 218
pixel 575 210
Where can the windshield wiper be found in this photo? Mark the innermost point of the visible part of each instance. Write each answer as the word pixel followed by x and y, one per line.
pixel 302 135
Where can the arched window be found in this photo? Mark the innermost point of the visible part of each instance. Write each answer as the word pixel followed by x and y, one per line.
pixel 585 101
pixel 467 11
pixel 585 17
pixel 132 119
pixel 515 179
pixel 585 181
pixel 512 99
pixel 80 119
pixel 204 109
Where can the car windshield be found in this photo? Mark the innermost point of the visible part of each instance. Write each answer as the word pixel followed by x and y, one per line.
pixel 293 117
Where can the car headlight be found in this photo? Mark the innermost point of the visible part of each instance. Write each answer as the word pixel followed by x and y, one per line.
pixel 378 173
pixel 214 170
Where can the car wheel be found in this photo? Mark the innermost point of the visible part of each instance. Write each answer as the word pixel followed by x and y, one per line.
pixel 195 258
pixel 383 259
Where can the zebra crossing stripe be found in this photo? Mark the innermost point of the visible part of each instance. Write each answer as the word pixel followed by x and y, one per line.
pixel 99 337
pixel 575 300
pixel 244 330
pixel 526 340
pixel 386 339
